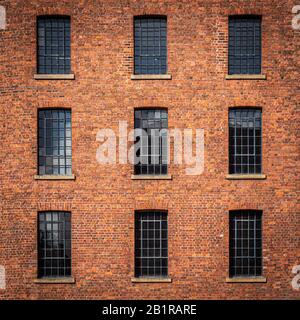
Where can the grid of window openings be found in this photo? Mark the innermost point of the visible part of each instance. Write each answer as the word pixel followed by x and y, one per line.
pixel 151 244
pixel 245 243
pixel 55 142
pixel 152 143
pixel 244 45
pixel 151 227
pixel 245 139
pixel 54 247
pixel 150 45
pixel 54 53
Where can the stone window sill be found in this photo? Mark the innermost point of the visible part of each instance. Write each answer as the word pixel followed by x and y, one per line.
pixel 247 280
pixel 151 177
pixel 246 177
pixel 246 77
pixel 54 177
pixel 151 77
pixel 151 280
pixel 55 280
pixel 70 76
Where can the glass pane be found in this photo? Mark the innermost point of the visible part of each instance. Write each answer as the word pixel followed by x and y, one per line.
pixel 150 45
pixel 150 246
pixel 53 45
pixel 53 141
pixel 53 259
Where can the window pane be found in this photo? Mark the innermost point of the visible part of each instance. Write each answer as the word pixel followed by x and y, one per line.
pixel 245 240
pixel 150 45
pixel 54 246
pixel 244 46
pixel 151 147
pixel 53 45
pixel 151 248
pixel 54 147
pixel 244 142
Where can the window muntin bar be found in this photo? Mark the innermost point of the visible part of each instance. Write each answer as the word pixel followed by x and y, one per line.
pixel 151 244
pixel 54 246
pixel 245 243
pixel 150 45
pixel 54 45
pixel 153 151
pixel 245 141
pixel 55 142
pixel 244 45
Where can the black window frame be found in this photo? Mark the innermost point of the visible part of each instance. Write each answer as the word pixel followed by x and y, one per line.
pixel 54 261
pixel 244 64
pixel 245 152
pixel 149 168
pixel 151 261
pixel 49 57
pixel 162 56
pixel 63 155
pixel 245 252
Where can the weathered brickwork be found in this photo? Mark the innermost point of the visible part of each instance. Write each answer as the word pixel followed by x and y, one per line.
pixel 102 199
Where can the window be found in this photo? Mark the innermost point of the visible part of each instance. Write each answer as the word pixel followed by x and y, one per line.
pixel 244 45
pixel 245 156
pixel 245 243
pixel 151 244
pixel 150 45
pixel 54 56
pixel 55 142
pixel 152 144
pixel 54 247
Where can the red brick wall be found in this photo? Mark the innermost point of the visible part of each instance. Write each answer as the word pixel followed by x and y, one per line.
pixel 102 199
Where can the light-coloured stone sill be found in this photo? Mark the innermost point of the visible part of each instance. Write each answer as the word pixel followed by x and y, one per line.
pixel 247 280
pixel 151 177
pixel 246 177
pixel 70 76
pixel 246 77
pixel 151 77
pixel 55 280
pixel 151 280
pixel 54 177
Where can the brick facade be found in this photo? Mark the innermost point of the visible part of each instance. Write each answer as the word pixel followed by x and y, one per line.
pixel 103 198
